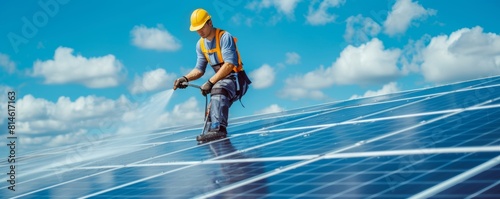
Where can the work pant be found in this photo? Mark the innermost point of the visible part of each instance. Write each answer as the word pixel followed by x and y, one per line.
pixel 220 102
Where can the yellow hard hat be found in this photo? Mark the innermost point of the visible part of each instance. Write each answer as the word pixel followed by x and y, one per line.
pixel 198 19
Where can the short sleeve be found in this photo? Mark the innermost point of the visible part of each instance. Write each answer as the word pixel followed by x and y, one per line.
pixel 228 48
pixel 201 61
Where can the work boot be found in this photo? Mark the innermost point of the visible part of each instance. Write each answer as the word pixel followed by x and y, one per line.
pixel 218 133
pixel 213 134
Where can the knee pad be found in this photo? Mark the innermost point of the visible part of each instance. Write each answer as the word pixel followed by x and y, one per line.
pixel 219 91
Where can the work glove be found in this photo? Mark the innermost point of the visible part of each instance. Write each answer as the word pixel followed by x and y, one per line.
pixel 206 88
pixel 181 82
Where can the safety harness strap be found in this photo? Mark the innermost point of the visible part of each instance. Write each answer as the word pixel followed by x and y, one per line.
pixel 218 51
pixel 242 80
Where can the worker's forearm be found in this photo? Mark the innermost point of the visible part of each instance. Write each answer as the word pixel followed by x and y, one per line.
pixel 224 70
pixel 194 74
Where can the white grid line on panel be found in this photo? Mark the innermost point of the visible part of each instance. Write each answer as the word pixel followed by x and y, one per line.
pixel 457 179
pixel 260 177
pixel 483 190
pixel 409 180
pixel 335 109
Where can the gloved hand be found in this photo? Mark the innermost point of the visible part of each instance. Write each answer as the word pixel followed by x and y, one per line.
pixel 206 88
pixel 179 82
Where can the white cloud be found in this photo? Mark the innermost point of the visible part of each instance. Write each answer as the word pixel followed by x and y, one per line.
pixel 280 9
pixel 360 29
pixel 66 121
pixel 154 38
pixel 411 56
pixel 402 14
pixel 262 77
pixel 38 115
pixel 292 58
pixel 369 63
pixel 150 114
pixel 366 64
pixel 239 19
pixel 464 54
pixel 7 64
pixel 293 90
pixel 284 7
pixel 185 113
pixel 391 87
pixel 94 72
pixel 298 87
pixel 320 15
pixel 152 81
pixel 55 140
pixel 273 108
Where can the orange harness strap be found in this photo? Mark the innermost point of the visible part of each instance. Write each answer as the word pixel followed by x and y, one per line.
pixel 218 51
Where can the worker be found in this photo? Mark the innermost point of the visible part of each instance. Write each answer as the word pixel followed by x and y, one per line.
pixel 217 48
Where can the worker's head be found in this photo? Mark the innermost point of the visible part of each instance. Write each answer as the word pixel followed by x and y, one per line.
pixel 201 22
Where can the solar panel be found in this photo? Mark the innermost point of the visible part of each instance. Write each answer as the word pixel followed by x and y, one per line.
pixel 437 142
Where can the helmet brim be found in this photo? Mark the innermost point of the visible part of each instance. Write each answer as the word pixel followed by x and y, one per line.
pixel 196 28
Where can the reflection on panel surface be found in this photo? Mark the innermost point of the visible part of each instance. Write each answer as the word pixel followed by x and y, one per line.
pixel 436 142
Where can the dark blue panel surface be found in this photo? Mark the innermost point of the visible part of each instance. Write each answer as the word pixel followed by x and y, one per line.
pixel 484 185
pixel 380 177
pixel 103 180
pixel 471 128
pixel 320 141
pixel 378 147
pixel 344 114
pixel 197 180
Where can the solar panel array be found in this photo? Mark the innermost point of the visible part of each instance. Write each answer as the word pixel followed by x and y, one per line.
pixel 441 142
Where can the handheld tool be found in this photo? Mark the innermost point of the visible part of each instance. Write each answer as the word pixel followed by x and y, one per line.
pixel 204 137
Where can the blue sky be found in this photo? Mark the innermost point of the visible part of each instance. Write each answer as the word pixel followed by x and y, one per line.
pixel 79 65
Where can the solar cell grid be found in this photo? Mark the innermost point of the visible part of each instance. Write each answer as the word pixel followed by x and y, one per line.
pixel 205 177
pixel 488 81
pixel 436 142
pixel 345 114
pixel 269 122
pixel 314 141
pixel 404 171
pixel 469 129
